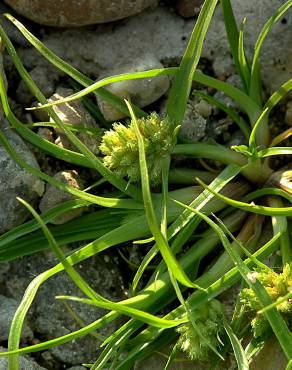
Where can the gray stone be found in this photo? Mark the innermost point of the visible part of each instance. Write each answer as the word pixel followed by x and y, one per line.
pixel 74 113
pixel 45 77
pixel 77 368
pixel 235 81
pixel 164 34
pixel 159 32
pixel 140 92
pixel 276 57
pixel 26 363
pixel 54 196
pixel 16 182
pixel 72 13
pixel 194 125
pixel 50 316
pixel 8 307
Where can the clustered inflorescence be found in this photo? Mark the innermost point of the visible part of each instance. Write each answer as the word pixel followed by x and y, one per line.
pixel 198 341
pixel 277 286
pixel 121 151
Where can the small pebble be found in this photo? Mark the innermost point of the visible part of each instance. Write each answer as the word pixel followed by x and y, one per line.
pixel 54 196
pixel 141 92
pixel 189 8
pixel 74 113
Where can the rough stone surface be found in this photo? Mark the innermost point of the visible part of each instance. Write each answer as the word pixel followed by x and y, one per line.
pixel 45 77
pixel 141 92
pixel 193 126
pixel 233 80
pixel 16 182
pixel 74 113
pixel 54 196
pixel 74 13
pixel 26 363
pixel 164 34
pixel 51 317
pixel 271 357
pixel 276 57
pixel 159 32
pixel 8 307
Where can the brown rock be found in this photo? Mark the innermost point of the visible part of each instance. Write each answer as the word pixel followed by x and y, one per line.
pixel 74 13
pixel 54 196
pixel 270 357
pixel 189 8
pixel 75 114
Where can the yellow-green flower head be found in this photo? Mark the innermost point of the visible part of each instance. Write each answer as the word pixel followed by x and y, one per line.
pixel 277 285
pixel 121 152
pixel 196 341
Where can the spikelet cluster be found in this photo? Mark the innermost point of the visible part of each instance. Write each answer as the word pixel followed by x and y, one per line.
pixel 277 285
pixel 121 153
pixel 196 342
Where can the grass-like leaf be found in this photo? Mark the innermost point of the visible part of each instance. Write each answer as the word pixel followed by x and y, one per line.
pixel 96 162
pixel 94 199
pixel 275 319
pixel 239 353
pixel 161 241
pixel 229 111
pixel 262 210
pixel 115 101
pixel 180 90
pixel 243 62
pixel 254 90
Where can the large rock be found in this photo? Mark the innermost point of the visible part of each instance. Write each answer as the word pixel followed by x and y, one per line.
pixel 140 92
pixel 74 13
pixel 276 56
pixel 16 182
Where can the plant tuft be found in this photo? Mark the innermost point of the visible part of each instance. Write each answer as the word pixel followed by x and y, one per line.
pixel 121 152
pixel 198 340
pixel 277 285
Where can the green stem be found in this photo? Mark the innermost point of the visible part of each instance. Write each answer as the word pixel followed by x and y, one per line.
pixel 187 176
pixel 209 151
pixel 280 225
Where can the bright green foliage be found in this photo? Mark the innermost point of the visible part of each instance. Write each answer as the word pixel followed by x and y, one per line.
pixel 197 341
pixel 120 147
pixel 277 285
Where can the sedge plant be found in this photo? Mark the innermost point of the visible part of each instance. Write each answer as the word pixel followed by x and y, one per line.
pixel 179 304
